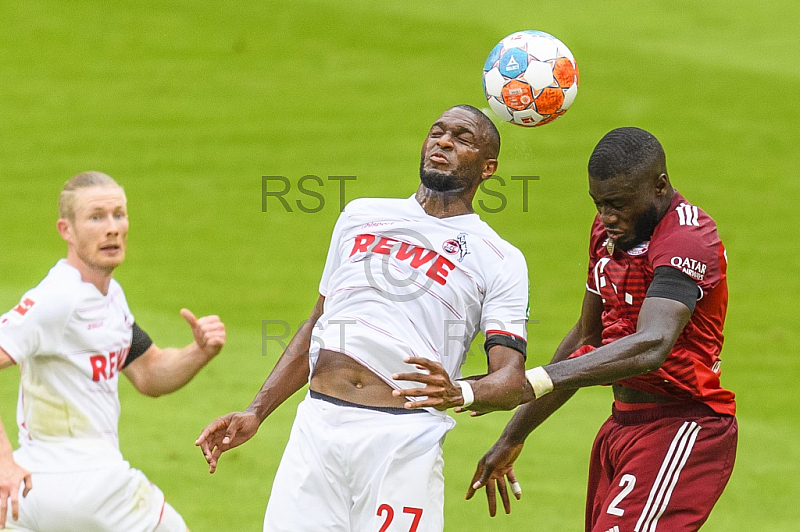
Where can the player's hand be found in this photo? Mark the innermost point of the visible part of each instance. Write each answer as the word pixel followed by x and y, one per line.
pixel 225 433
pixel 493 469
pixel 208 331
pixel 440 391
pixel 472 413
pixel 11 477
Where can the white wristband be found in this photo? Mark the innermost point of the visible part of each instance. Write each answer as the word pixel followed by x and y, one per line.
pixel 466 392
pixel 540 381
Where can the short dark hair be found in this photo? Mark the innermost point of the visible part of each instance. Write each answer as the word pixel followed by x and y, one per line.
pixel 493 135
pixel 627 151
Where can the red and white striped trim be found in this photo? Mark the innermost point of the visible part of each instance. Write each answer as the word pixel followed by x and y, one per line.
pixel 506 333
pixel 671 467
pixel 494 248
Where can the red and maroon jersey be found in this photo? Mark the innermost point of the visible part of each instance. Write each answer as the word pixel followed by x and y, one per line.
pixel 685 239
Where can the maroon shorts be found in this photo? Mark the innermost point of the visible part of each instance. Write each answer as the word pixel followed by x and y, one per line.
pixel 659 469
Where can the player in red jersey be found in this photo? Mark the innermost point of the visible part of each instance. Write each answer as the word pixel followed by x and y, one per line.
pixel 651 326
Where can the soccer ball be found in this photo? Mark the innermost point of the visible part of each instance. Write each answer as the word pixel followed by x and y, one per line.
pixel 530 78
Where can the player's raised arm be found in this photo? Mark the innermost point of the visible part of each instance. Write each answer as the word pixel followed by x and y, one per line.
pixel 288 376
pixel 12 476
pixel 498 462
pixel 660 323
pixel 161 371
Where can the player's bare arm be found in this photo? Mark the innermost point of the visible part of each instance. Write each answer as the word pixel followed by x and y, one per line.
pixel 287 377
pixel 5 360
pixel 12 476
pixel 501 389
pixel 161 371
pixel 660 323
pixel 497 464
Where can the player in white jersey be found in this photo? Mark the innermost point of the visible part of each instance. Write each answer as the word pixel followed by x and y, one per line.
pixel 72 335
pixel 407 285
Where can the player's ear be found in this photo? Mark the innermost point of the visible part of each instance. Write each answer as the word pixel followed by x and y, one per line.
pixel 662 184
pixel 489 168
pixel 64 227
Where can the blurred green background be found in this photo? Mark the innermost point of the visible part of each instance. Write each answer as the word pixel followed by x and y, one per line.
pixel 189 103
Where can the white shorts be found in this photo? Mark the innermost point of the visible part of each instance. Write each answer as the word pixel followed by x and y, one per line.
pixel 112 499
pixel 349 469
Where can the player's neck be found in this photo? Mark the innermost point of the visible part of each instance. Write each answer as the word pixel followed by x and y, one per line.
pixel 99 277
pixel 445 204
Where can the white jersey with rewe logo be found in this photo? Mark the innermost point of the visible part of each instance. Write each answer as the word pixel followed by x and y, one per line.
pixel 399 282
pixel 70 342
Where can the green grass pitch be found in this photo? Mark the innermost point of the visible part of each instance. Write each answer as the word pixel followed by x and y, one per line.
pixel 189 104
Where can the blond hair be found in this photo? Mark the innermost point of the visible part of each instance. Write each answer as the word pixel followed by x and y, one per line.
pixel 67 198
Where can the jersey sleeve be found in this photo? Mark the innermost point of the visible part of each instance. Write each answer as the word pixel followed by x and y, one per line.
pixel 506 308
pixel 23 328
pixel 687 241
pixel 334 258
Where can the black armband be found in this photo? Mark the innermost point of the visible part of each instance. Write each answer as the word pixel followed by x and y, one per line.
pixel 514 342
pixel 671 283
pixel 140 342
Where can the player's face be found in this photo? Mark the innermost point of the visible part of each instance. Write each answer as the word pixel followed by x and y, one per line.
pixel 453 154
pixel 100 230
pixel 627 208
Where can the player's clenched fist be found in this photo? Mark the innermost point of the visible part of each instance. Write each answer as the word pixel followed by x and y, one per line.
pixel 224 433
pixel 11 476
pixel 208 331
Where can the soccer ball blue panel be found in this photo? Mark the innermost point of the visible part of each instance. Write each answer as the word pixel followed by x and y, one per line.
pixel 530 78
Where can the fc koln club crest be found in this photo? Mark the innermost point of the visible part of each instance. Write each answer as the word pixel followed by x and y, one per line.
pixel 457 246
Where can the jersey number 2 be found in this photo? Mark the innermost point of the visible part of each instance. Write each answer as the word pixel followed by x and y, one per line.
pixel 628 481
pixel 389 511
